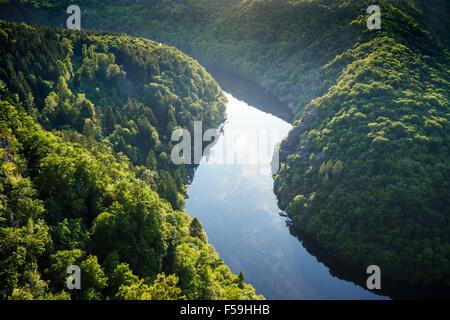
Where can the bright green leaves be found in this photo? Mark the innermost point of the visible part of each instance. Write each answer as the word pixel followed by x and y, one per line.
pixel 163 288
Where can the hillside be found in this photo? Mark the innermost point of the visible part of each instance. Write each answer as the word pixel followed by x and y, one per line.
pixel 365 169
pixel 85 178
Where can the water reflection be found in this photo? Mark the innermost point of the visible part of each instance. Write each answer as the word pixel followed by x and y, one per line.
pixel 342 270
pixel 239 212
pixel 251 93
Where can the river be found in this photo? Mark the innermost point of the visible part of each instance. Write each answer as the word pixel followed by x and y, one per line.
pixel 233 198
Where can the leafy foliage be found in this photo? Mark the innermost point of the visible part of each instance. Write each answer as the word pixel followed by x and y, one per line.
pixel 82 117
pixel 365 169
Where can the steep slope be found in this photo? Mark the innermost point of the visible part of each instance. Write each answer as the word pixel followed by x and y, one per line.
pixel 92 184
pixel 365 170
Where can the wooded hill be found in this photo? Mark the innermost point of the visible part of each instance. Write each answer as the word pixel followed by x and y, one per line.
pixel 85 171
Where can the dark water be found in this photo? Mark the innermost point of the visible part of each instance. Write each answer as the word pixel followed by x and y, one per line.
pixel 239 211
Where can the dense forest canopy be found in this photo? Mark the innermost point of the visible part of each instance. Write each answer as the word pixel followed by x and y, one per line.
pixel 365 170
pixel 281 44
pixel 85 176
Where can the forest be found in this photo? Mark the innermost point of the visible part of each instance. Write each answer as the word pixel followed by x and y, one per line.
pixel 85 176
pixel 365 170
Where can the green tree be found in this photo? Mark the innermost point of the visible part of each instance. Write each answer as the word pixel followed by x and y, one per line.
pixel 196 230
pixel 241 279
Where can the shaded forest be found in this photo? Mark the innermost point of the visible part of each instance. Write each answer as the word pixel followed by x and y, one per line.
pixel 365 169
